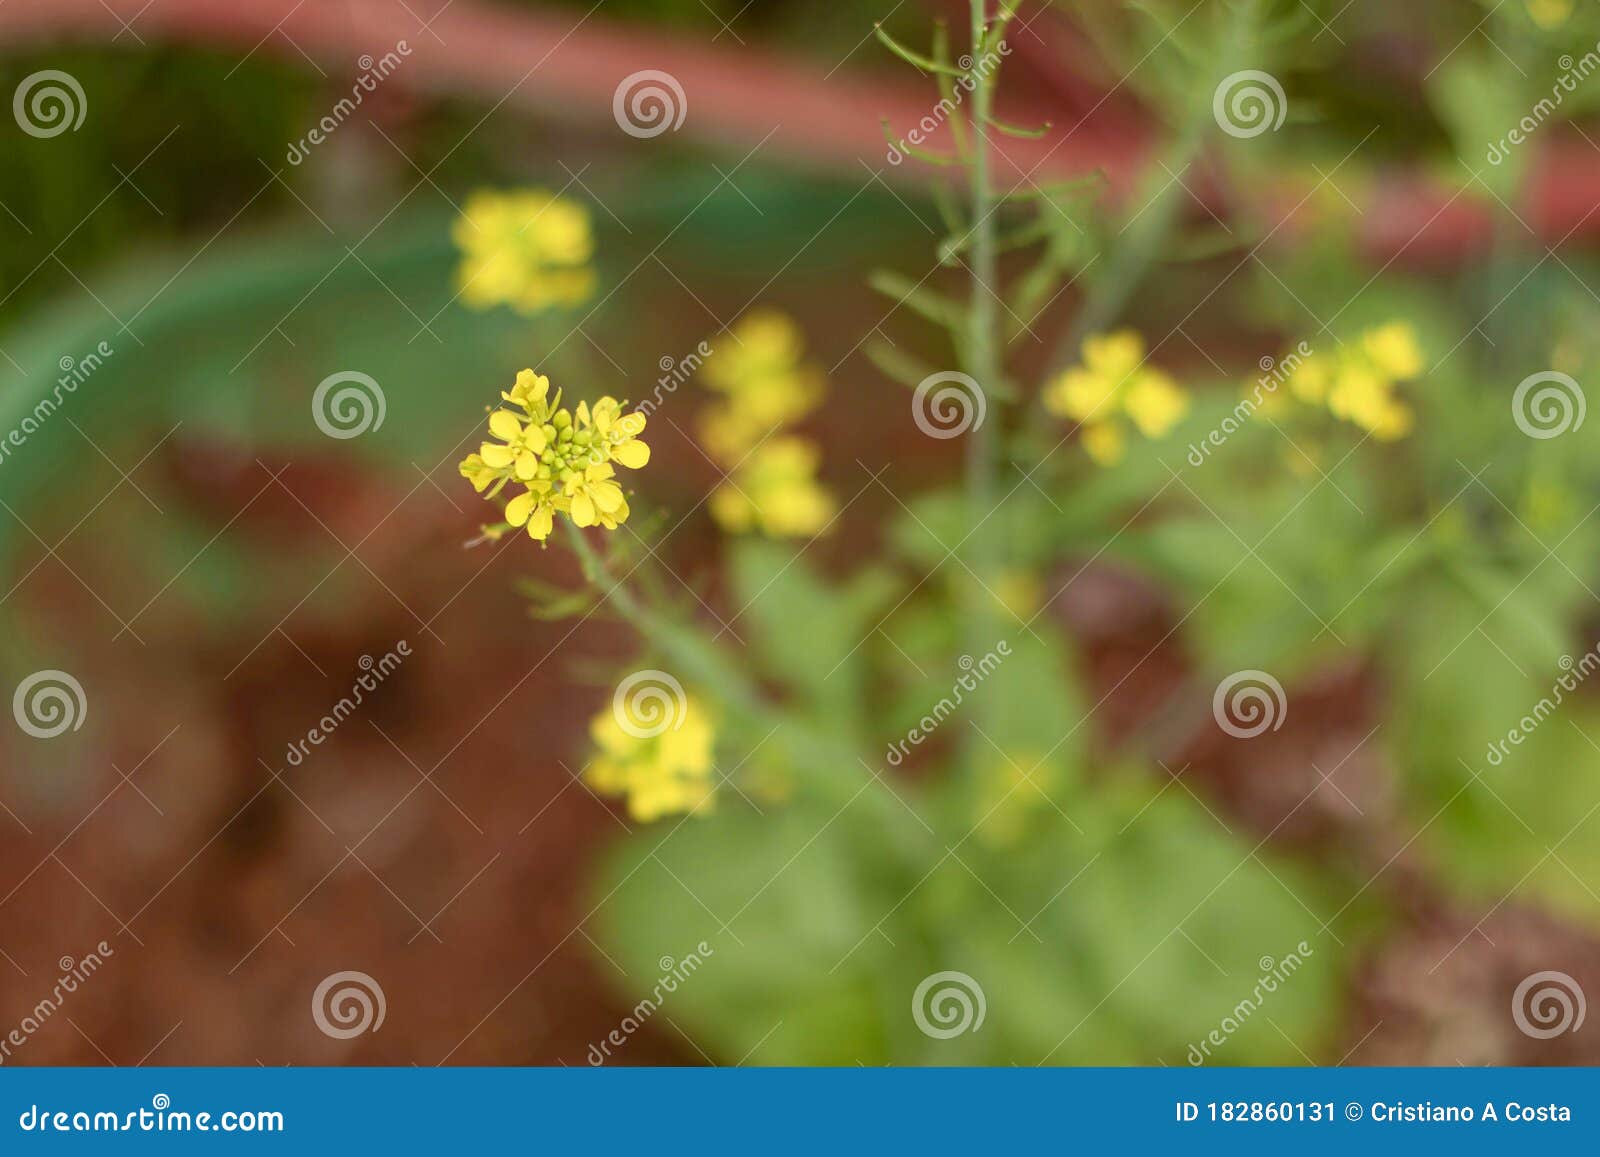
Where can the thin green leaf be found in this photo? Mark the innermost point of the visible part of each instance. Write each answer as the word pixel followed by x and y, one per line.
pixel 1012 130
pixel 934 306
pixel 897 365
pixel 916 59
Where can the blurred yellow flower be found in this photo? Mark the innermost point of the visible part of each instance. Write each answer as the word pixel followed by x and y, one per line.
pixel 1393 350
pixel 661 774
pixel 1012 788
pixel 1112 384
pixel 1549 14
pixel 563 461
pixel 775 491
pixel 528 249
pixel 1357 383
pixel 1019 591
pixel 763 381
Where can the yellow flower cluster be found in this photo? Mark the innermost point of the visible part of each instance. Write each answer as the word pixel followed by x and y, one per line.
pixel 1357 383
pixel 528 249
pixel 1114 386
pixel 776 492
pixel 561 458
pixel 661 774
pixel 765 385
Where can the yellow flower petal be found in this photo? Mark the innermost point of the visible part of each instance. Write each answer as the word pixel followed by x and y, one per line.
pixel 1155 403
pixel 1394 350
pixel 541 523
pixel 503 424
pixel 1104 442
pixel 1078 393
pixel 633 454
pixel 582 510
pixel 519 508
pixel 1113 355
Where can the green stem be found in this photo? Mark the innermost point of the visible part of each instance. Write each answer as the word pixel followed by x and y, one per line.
pixel 984 366
pixel 700 664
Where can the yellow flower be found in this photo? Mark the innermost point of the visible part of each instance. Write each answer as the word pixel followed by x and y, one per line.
pixel 619 433
pixel 594 497
pixel 764 383
pixel 1309 381
pixel 658 774
pixel 1112 384
pixel 767 345
pixel 519 447
pixel 1357 383
pixel 776 492
pixel 528 249
pixel 1365 397
pixel 1393 350
pixel 561 459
